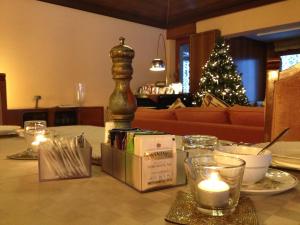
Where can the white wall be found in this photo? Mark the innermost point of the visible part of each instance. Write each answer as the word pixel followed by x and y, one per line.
pixel 46 49
pixel 259 18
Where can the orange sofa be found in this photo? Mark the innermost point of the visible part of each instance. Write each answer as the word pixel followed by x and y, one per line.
pixel 238 123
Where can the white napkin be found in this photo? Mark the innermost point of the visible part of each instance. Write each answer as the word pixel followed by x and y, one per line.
pixel 93 134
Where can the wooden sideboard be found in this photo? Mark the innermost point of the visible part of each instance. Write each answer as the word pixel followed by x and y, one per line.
pixel 3 103
pixel 58 116
pixel 162 101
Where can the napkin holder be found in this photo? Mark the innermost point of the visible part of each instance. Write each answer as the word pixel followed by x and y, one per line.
pixel 70 163
pixel 128 168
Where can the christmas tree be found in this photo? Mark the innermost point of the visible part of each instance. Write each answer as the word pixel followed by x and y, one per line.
pixel 221 78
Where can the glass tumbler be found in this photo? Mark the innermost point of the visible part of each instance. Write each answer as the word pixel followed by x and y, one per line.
pixel 215 182
pixel 199 144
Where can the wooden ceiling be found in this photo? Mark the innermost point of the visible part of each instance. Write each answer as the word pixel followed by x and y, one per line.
pixel 162 13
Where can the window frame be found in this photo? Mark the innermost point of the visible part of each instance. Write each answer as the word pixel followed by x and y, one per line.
pixel 179 42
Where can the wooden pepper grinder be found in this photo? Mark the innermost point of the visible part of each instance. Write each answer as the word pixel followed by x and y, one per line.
pixel 122 102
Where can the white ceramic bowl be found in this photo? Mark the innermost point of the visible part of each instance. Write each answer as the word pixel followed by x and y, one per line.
pixel 256 165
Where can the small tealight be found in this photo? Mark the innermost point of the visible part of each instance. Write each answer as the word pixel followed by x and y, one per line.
pixel 38 139
pixel 213 192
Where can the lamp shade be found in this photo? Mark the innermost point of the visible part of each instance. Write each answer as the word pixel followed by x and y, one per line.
pixel 158 65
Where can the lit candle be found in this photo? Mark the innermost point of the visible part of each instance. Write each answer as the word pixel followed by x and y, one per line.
pixel 38 139
pixel 213 192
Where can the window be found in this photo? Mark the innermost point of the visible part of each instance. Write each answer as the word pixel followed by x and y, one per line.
pixel 249 68
pixel 183 63
pixel 184 67
pixel 289 60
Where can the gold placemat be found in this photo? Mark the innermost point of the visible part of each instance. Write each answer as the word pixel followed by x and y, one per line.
pixel 183 211
pixel 28 154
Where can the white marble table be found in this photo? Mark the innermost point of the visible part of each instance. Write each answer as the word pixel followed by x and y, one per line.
pixel 101 199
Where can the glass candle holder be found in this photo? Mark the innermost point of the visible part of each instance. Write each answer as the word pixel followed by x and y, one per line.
pixel 199 144
pixel 35 131
pixel 215 182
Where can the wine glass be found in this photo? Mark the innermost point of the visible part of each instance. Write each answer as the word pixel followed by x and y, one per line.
pixel 80 93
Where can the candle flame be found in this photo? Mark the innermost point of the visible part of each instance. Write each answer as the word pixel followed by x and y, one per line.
pixel 214 176
pixel 38 139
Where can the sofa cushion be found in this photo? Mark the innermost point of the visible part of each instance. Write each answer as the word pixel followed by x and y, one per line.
pixel 198 114
pixel 230 132
pixel 161 114
pixel 247 115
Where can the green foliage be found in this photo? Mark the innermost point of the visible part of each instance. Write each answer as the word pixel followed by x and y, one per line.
pixel 221 78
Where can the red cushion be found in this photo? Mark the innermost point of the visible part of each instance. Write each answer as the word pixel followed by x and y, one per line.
pixel 207 115
pixel 161 114
pixel 247 115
